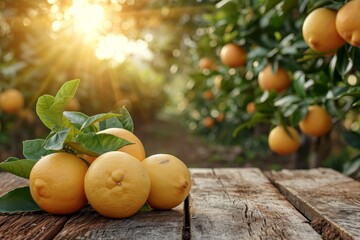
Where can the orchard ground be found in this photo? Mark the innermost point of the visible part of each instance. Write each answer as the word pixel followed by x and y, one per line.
pixel 165 134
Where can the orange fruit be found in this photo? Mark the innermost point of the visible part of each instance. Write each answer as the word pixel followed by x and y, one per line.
pixel 11 101
pixel 117 185
pixel 273 81
pixel 317 121
pixel 207 63
pixel 73 105
pixel 57 183
pixel 250 107
pixel 170 181
pixel 220 117
pixel 281 142
pixel 348 22
pixel 27 115
pixel 233 55
pixel 319 30
pixel 208 122
pixel 136 149
pixel 208 95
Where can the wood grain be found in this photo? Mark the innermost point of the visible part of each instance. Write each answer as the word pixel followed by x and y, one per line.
pixel 26 225
pixel 143 225
pixel 242 204
pixel 330 199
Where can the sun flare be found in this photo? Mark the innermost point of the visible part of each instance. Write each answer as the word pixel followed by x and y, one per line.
pixel 88 18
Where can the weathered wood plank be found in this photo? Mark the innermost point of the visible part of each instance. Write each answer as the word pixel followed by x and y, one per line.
pixel 9 181
pixel 143 225
pixel 30 225
pixel 242 204
pixel 330 199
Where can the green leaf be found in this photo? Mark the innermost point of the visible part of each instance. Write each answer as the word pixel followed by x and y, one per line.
pixel 21 168
pixel 299 84
pixel 126 119
pixel 110 123
pixel 343 62
pixel 99 143
pixel 50 109
pixel 352 139
pixel 35 149
pixel 145 208
pixel 57 140
pixel 287 100
pixel 76 118
pixel 98 118
pixel 18 200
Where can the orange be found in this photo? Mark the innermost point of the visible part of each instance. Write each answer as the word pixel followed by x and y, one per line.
pixel 207 63
pixel 27 115
pixel 117 185
pixel 208 122
pixel 11 101
pixel 281 142
pixel 319 30
pixel 273 81
pixel 57 183
pixel 170 181
pixel 317 122
pixel 250 107
pixel 136 149
pixel 220 117
pixel 348 22
pixel 208 95
pixel 233 55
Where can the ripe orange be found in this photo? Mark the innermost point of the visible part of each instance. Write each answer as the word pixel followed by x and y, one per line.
pixel 136 149
pixel 73 105
pixel 57 183
pixel 208 122
pixel 348 22
pixel 117 185
pixel 207 63
pixel 208 95
pixel 220 117
pixel 27 115
pixel 11 101
pixel 281 142
pixel 170 181
pixel 317 121
pixel 233 55
pixel 250 107
pixel 319 30
pixel 273 81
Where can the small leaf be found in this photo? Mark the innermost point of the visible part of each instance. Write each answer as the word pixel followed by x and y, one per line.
pixel 126 119
pixel 35 149
pixel 110 123
pixel 287 100
pixel 145 208
pixel 76 118
pixel 50 109
pixel 57 140
pixel 98 118
pixel 21 168
pixel 18 200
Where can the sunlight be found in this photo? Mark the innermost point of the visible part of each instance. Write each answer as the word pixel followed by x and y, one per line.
pixel 88 17
pixel 118 48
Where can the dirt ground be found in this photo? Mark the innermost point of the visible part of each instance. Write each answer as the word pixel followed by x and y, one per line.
pixel 167 135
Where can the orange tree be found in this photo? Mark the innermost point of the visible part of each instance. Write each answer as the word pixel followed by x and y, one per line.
pixel 282 76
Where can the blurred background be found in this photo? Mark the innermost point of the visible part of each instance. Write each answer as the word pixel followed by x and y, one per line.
pixel 161 59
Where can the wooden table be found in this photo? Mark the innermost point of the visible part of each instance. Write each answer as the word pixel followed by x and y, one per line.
pixel 223 204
